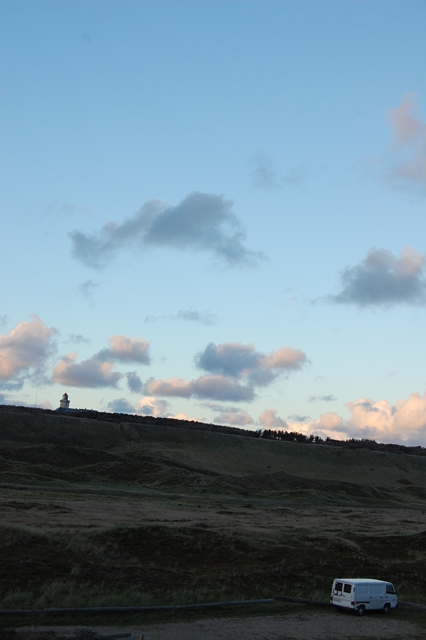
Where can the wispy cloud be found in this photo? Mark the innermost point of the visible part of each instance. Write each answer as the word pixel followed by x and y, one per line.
pixel 202 222
pixel 328 398
pixel 187 315
pixel 77 338
pixel 88 288
pixel 403 164
pixel 264 174
pixel 4 320
pixel 383 279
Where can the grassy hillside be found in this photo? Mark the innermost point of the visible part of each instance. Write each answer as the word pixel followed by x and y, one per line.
pixel 136 513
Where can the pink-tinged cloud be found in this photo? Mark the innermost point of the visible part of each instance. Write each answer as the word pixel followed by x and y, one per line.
pixel 406 127
pixel 92 373
pixel 271 420
pixel 404 422
pixel 213 387
pixel 243 361
pixel 150 406
pixel 26 347
pixel 235 417
pixel 173 387
pixel 128 349
pixel 405 164
pixel 284 358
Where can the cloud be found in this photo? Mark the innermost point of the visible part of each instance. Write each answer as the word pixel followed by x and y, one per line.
pixel 97 371
pixel 87 289
pixel 134 382
pixel 188 315
pixel 404 422
pixel 271 420
pixel 126 349
pixel 121 405
pixel 405 164
pixel 243 361
pixel 295 175
pixel 234 416
pixel 263 175
pixel 77 338
pixel 297 418
pixel 203 222
pixel 150 406
pixel 382 279
pixel 213 387
pixel 26 347
pixel 329 398
pixel 4 320
pixel 92 373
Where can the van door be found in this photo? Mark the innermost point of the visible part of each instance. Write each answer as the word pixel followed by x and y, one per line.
pixel 377 596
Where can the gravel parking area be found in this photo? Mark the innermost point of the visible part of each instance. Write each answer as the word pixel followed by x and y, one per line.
pixel 315 626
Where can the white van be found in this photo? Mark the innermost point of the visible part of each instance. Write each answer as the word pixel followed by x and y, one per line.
pixel 363 594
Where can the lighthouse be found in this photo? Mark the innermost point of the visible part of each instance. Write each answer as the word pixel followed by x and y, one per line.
pixel 64 403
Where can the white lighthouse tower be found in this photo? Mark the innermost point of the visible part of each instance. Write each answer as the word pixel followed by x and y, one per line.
pixel 64 403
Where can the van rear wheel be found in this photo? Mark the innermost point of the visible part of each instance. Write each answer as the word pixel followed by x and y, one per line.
pixel 386 608
pixel 361 610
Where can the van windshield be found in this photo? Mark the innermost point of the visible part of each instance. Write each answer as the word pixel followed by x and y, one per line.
pixel 390 589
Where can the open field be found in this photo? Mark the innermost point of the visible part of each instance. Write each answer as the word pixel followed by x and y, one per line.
pixel 97 513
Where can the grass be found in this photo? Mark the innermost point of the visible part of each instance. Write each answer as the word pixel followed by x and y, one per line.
pixel 144 515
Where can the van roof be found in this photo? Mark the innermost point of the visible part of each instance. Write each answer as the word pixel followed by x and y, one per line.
pixel 360 580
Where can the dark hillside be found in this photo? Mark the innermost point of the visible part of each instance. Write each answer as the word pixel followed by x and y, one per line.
pixel 133 511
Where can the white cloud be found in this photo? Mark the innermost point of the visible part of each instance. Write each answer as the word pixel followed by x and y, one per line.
pixel 26 347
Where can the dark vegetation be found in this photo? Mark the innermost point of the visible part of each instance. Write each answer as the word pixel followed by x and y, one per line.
pixel 112 510
pixel 268 434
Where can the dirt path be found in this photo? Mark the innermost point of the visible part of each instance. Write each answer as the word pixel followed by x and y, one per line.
pixel 314 626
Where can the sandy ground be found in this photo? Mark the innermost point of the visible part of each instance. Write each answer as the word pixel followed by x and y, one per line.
pixel 313 626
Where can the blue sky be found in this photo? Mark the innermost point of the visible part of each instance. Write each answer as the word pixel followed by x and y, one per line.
pixel 216 209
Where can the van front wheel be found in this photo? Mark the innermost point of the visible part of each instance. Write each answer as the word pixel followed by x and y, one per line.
pixel 361 610
pixel 386 608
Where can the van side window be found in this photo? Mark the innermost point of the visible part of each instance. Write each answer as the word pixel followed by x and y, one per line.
pixel 338 586
pixel 347 588
pixel 390 588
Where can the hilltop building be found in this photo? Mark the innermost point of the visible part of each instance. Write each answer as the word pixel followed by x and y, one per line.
pixel 64 404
